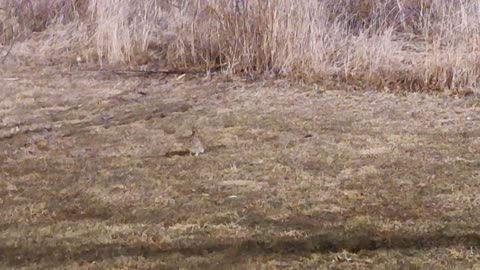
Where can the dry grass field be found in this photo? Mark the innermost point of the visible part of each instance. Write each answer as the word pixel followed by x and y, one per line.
pixel 95 174
pixel 338 134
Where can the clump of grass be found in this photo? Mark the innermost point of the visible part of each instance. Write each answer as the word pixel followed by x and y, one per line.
pixel 391 44
pixel 124 28
pixel 36 16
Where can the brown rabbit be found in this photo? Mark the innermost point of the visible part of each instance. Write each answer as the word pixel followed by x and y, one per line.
pixel 197 143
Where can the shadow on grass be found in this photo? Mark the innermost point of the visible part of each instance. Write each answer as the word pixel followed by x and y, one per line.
pixel 56 255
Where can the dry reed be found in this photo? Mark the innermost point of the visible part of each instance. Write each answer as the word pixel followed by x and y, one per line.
pixel 404 44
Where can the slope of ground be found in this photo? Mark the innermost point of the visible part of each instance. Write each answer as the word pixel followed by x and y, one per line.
pixel 95 174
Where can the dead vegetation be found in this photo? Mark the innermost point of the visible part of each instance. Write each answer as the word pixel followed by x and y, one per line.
pixel 390 45
pixel 96 170
pixel 292 177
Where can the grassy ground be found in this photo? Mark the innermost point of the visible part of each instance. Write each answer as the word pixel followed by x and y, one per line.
pixel 95 175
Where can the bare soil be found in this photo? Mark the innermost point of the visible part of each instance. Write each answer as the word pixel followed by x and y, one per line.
pixel 96 174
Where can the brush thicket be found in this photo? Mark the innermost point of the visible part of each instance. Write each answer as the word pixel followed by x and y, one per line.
pixel 389 44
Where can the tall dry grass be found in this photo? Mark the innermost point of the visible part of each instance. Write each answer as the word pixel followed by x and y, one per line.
pixel 125 28
pixel 394 44
pixel 405 44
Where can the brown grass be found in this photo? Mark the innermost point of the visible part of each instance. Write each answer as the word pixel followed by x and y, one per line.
pixel 95 171
pixel 95 174
pixel 390 44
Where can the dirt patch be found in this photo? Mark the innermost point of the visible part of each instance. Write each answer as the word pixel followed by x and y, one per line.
pixel 96 173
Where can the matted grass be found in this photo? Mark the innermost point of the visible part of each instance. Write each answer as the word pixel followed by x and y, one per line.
pixel 94 176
